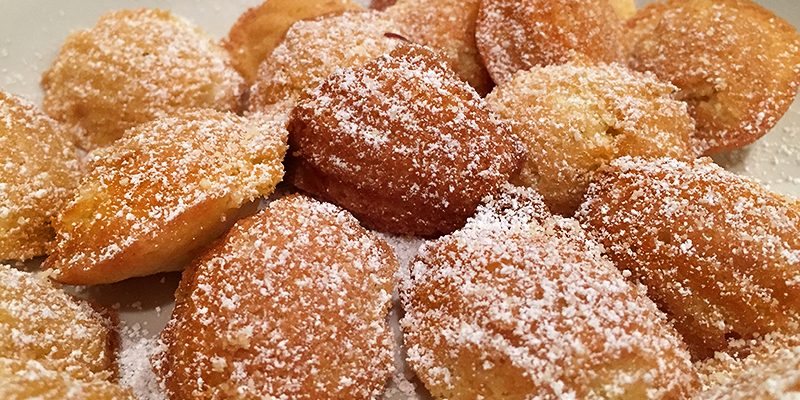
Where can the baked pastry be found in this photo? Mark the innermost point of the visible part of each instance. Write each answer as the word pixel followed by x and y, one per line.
pixel 402 143
pixel 25 380
pixel 38 171
pixel 625 9
pixel 169 187
pixel 260 29
pixel 448 26
pixel 41 323
pixel 314 49
pixel 771 371
pixel 717 252
pixel 292 303
pixel 515 35
pixel 576 117
pixel 520 304
pixel 132 67
pixel 381 4
pixel 736 64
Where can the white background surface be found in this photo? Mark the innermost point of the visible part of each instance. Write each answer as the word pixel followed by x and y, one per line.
pixel 31 32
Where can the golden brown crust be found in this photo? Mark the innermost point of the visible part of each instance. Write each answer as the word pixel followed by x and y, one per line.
pixel 719 253
pixel 642 26
pixel 290 304
pixel 736 63
pixel 448 26
pixel 368 140
pixel 381 4
pixel 38 171
pixel 25 380
pixel 163 191
pixel 134 66
pixel 625 9
pixel 517 35
pixel 260 29
pixel 41 323
pixel 519 304
pixel 575 118
pixel 313 49
pixel 770 371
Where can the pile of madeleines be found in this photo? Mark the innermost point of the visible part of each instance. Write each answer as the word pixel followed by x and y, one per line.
pixel 578 242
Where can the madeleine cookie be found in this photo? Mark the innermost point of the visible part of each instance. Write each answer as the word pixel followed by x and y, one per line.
pixel 39 322
pixel 292 303
pixel 514 35
pixel 736 64
pixel 448 26
pixel 718 253
pixel 135 66
pixel 260 29
pixel 25 380
pixel 575 118
pixel 402 143
pixel 520 305
pixel 38 171
pixel 169 187
pixel 314 49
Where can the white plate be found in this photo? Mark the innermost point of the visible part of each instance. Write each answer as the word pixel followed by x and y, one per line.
pixel 31 32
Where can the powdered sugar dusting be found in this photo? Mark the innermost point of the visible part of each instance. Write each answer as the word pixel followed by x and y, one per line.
pixel 771 370
pixel 576 117
pixel 291 304
pixel 38 170
pixel 404 384
pixel 418 146
pixel 521 304
pixel 517 35
pixel 30 379
pixel 159 172
pixel 136 371
pixel 718 252
pixel 40 322
pixel 449 26
pixel 736 63
pixel 313 49
pixel 135 66
pixel 773 163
